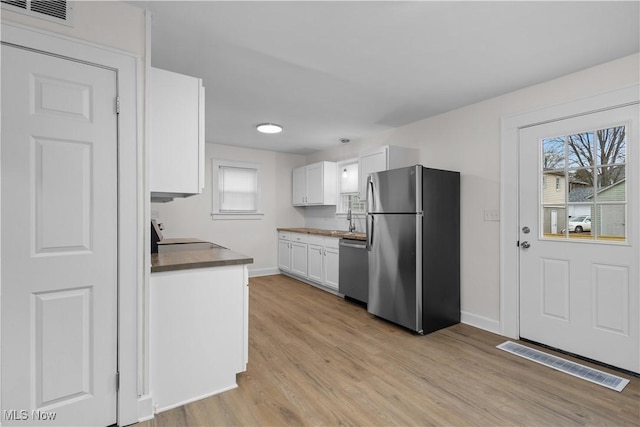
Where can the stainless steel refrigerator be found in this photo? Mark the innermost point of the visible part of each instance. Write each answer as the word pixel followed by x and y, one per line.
pixel 413 242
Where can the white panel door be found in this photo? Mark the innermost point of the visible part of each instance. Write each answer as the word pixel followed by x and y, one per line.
pixel 370 163
pixel 299 186
pixel 315 263
pixel 299 259
pixel 284 255
pixel 332 267
pixel 315 184
pixel 579 236
pixel 59 241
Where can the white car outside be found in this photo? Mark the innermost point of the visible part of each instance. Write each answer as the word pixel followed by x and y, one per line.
pixel 580 223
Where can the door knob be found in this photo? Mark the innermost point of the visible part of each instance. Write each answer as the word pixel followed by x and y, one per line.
pixel 525 245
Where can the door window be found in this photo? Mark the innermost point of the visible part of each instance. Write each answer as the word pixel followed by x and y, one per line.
pixel 583 186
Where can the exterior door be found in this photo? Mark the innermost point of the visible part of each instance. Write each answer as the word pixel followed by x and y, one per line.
pixel 59 241
pixel 579 235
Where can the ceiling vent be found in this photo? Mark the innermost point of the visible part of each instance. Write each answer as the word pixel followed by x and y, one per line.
pixel 60 11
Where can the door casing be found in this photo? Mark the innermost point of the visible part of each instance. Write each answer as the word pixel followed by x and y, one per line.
pixel 130 192
pixel 509 143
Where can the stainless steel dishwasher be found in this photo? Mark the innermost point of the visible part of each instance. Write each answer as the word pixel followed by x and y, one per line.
pixel 354 269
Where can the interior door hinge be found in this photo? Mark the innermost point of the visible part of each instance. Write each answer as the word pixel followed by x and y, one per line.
pixel 118 381
pixel 117 105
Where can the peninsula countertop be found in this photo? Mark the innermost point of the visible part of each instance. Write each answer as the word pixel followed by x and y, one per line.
pixel 215 256
pixel 354 235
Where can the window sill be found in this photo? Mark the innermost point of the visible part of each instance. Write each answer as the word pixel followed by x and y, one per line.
pixel 353 214
pixel 235 216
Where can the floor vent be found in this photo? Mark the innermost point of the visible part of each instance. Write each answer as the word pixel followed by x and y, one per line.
pixel 577 370
pixel 60 11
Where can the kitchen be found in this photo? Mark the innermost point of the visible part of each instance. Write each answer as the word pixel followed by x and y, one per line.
pixel 442 142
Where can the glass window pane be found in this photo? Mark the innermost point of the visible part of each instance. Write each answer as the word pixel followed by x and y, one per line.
pixel 579 221
pixel 238 189
pixel 612 145
pixel 580 150
pixel 553 187
pixel 553 220
pixel 612 184
pixel 611 222
pixel 580 178
pixel 553 153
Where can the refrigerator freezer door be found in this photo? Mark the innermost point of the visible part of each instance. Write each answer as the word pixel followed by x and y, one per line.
pixel 395 191
pixel 395 278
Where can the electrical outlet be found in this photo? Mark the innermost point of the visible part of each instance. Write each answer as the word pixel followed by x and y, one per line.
pixel 491 215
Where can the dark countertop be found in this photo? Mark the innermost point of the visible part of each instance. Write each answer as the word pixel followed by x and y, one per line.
pixel 217 256
pixel 354 235
pixel 182 241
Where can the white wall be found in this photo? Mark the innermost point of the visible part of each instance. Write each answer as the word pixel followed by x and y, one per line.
pixel 468 140
pixel 191 217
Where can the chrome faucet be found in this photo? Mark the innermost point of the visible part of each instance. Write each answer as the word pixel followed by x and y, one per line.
pixel 352 226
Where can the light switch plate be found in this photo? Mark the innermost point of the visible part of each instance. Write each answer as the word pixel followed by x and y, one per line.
pixel 491 215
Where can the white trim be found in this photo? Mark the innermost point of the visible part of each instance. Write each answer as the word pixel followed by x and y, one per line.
pixel 215 194
pixel 145 408
pixel 509 141
pixel 130 193
pixel 194 399
pixel 258 272
pixel 480 322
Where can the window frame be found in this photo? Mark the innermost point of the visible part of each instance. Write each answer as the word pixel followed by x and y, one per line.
pixel 216 213
pixel 339 204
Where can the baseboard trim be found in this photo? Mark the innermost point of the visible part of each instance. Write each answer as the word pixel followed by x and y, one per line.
pixel 480 322
pixel 204 396
pixel 263 272
pixel 145 408
pixel 315 285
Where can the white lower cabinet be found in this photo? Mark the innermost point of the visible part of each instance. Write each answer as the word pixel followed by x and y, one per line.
pixel 332 266
pixel 284 253
pixel 311 258
pixel 199 329
pixel 299 258
pixel 316 262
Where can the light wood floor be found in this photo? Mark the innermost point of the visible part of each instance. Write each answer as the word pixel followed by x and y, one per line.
pixel 315 359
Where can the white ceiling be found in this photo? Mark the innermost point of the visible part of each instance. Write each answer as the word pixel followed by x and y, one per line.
pixel 348 69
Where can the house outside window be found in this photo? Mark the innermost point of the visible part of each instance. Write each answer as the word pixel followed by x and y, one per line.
pixel 237 192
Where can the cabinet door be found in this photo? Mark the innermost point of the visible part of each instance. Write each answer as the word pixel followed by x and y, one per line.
pixel 177 133
pixel 315 262
pixel 315 184
pixel 332 267
pixel 284 255
pixel 299 259
pixel 299 186
pixel 369 163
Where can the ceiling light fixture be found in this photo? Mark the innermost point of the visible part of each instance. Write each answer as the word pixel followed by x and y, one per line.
pixel 269 128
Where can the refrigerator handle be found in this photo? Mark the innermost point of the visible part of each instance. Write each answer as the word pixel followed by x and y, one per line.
pixel 369 232
pixel 370 201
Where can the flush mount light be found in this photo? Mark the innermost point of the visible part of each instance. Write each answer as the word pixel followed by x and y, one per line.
pixel 269 128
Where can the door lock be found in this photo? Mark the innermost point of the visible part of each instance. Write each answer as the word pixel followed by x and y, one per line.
pixel 525 245
pixel 526 229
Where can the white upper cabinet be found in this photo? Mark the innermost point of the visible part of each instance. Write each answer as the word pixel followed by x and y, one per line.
pixel 299 186
pixel 383 158
pixel 314 184
pixel 176 137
